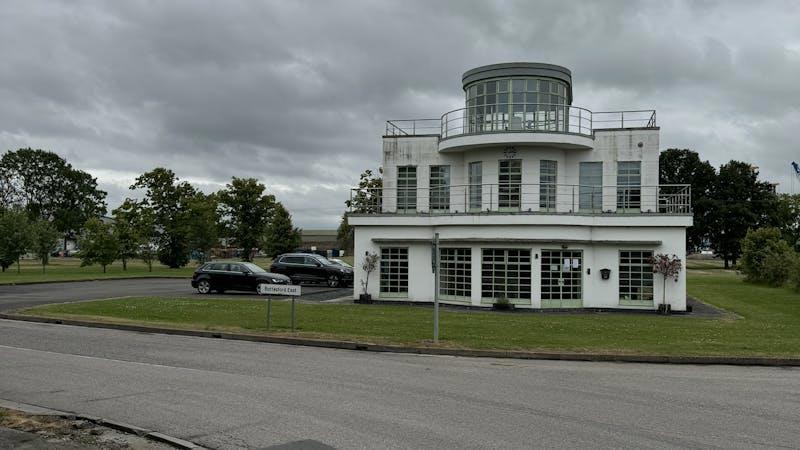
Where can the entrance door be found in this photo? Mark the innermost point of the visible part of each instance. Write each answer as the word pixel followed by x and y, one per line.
pixel 562 280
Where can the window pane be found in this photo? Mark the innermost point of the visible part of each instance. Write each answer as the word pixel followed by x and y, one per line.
pixel 636 275
pixel 590 179
pixel 548 171
pixel 629 185
pixel 440 188
pixel 455 272
pixel 406 188
pixel 506 273
pixel 394 271
pixel 475 185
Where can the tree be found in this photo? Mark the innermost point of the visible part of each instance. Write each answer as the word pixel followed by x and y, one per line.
pixel 98 244
pixel 344 235
pixel 43 240
pixel 126 232
pixel 369 265
pixel 146 229
pixel 15 237
pixel 766 257
pixel 683 166
pixel 281 236
pixel 167 203
pixel 246 211
pixel 788 219
pixel 203 225
pixel 740 202
pixel 368 196
pixel 669 266
pixel 49 188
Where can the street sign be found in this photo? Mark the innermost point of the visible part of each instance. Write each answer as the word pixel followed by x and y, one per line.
pixel 279 289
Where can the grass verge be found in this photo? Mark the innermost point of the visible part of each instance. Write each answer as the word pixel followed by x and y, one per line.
pixel 769 323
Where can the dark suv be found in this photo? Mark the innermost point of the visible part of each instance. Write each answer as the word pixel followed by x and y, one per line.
pixel 308 267
pixel 233 276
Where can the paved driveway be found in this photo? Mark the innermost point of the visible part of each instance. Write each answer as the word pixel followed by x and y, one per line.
pixel 28 295
pixel 229 394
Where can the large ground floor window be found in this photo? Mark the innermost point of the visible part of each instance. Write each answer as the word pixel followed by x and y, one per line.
pixel 455 273
pixel 635 277
pixel 562 280
pixel 394 272
pixel 506 273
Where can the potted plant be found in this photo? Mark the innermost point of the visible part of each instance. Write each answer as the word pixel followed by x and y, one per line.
pixel 502 304
pixel 669 266
pixel 369 265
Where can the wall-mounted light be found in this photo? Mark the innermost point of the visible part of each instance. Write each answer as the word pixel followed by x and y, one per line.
pixel 605 273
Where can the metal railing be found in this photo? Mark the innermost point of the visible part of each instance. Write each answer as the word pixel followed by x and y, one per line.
pixel 536 118
pixel 545 117
pixel 412 127
pixel 523 198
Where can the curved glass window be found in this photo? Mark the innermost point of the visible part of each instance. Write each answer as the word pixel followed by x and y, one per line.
pixel 517 104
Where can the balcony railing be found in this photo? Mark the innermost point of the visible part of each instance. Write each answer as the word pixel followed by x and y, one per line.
pixel 530 117
pixel 523 199
pixel 412 127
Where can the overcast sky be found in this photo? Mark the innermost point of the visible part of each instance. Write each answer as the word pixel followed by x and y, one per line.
pixel 296 93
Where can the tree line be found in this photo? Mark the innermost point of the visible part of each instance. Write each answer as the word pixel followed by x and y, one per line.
pixel 43 200
pixel 729 202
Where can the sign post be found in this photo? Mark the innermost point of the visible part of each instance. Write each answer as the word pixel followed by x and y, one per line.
pixel 435 260
pixel 269 312
pixel 278 289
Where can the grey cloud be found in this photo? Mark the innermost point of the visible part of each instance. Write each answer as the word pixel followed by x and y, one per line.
pixel 296 93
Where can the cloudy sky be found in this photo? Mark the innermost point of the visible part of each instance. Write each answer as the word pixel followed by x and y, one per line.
pixel 296 93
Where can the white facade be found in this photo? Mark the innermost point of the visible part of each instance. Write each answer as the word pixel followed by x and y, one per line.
pixel 539 241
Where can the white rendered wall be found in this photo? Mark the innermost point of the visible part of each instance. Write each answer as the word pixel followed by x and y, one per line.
pixel 598 293
pixel 610 147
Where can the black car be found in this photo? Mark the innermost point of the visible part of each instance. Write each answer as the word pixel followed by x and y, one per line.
pixel 308 267
pixel 233 276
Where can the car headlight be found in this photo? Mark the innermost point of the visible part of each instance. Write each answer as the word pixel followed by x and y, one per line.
pixel 277 280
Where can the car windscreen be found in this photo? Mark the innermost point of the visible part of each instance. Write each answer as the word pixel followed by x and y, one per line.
pixel 254 268
pixel 323 260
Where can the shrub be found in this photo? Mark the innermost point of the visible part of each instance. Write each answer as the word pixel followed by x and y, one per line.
pixel 766 257
pixel 794 276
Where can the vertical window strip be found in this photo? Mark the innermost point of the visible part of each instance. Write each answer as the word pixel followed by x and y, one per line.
pixel 509 187
pixel 455 272
pixel 475 186
pixel 635 275
pixel 506 273
pixel 629 185
pixel 394 271
pixel 590 191
pixel 548 177
pixel 440 188
pixel 406 188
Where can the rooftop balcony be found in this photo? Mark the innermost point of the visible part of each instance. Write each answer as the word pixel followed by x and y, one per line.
pixel 533 124
pixel 518 198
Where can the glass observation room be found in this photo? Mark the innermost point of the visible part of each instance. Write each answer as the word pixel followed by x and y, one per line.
pixel 517 97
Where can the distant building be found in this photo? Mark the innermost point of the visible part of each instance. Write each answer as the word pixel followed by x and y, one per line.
pixel 321 239
pixel 535 200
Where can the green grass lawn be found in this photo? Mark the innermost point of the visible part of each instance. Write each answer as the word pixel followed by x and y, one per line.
pixel 769 323
pixel 69 269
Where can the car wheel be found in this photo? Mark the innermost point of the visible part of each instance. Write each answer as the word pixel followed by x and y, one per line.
pixel 333 281
pixel 203 286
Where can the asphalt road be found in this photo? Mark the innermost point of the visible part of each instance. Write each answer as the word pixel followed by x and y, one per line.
pixel 28 295
pixel 230 394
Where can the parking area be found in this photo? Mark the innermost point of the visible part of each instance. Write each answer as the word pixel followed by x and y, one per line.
pixel 25 296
